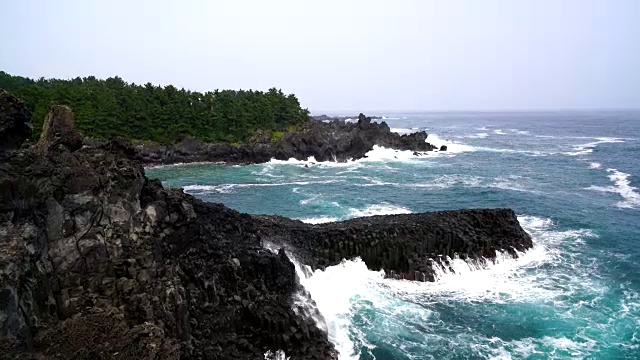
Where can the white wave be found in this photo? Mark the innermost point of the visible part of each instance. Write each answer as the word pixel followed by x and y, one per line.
pixel 312 162
pixel 484 128
pixel 308 200
pixel 499 132
pixel 622 187
pixel 511 182
pixel 207 189
pixel 502 281
pixel 583 149
pixel 346 280
pixel 447 181
pixel 369 210
pixel 380 153
pixel 278 355
pixel 196 163
pixel 227 188
pixel 519 132
pixel 595 165
pixel 580 152
pixel 266 171
pixel 514 151
pixel 403 131
pixel 342 291
pixel 508 279
pixel 354 167
pixel 540 347
pixel 481 135
pixel 319 219
pixel 375 182
pixel 452 146
pixel 378 209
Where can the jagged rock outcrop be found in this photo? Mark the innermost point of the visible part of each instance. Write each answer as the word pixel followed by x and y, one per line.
pixel 332 141
pixel 406 246
pixel 15 123
pixel 58 129
pixel 325 117
pixel 340 141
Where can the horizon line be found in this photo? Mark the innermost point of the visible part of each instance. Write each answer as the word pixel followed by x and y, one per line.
pixel 543 110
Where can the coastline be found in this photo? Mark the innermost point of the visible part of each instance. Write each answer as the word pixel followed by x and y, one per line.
pixel 102 259
pixel 337 141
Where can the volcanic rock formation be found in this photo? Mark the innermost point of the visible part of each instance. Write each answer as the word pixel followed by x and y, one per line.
pixel 98 261
pixel 332 141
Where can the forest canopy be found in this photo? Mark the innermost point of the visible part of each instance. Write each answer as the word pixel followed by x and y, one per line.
pixel 113 107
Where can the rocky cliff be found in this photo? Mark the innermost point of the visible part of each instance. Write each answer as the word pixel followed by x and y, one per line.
pixel 98 261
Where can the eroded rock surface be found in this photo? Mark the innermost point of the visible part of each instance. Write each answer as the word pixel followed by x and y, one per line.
pixel 15 123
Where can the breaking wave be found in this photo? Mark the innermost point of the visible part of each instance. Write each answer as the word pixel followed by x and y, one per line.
pixel 345 293
pixel 228 188
pixel 583 149
pixel 622 186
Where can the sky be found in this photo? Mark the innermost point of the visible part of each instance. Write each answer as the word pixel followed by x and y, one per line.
pixel 400 55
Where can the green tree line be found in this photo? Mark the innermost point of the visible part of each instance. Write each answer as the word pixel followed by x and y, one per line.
pixel 110 107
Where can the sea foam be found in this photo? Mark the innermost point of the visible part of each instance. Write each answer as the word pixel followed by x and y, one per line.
pixel 228 188
pixel 583 149
pixel 622 186
pixel 343 291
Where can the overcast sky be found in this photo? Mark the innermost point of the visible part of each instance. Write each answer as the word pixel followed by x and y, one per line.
pixel 344 55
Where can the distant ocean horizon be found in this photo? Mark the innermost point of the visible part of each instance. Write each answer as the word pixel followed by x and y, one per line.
pixel 314 112
pixel 572 178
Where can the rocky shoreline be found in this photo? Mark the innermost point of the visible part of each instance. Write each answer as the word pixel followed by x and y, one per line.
pixel 325 117
pixel 97 261
pixel 324 141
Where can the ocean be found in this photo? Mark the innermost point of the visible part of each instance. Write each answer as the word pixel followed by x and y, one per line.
pixel 571 177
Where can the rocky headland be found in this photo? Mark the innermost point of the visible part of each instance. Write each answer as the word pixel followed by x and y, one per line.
pixel 325 117
pixel 97 261
pixel 325 141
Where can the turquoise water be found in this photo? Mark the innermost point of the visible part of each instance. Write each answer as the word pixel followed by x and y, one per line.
pixel 570 177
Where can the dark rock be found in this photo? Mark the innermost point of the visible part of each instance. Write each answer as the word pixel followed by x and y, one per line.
pixel 15 122
pixel 333 141
pixel 410 240
pixel 340 118
pixel 443 148
pixel 339 141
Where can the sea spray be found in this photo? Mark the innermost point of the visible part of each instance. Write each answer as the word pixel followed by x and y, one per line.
pixel 622 187
pixel 334 296
pixel 278 355
pixel 325 297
